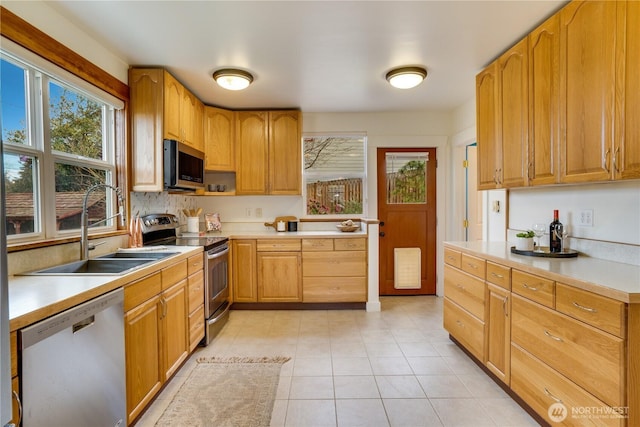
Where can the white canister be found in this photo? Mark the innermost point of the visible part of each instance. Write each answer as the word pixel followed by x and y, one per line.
pixel 193 224
pixel 281 226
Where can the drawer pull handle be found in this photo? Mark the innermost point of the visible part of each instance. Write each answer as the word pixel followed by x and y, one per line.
pixel 531 288
pixel 504 306
pixel 460 286
pixel 499 276
pixel 582 307
pixel 548 393
pixel 460 323
pixel 475 267
pixel 553 337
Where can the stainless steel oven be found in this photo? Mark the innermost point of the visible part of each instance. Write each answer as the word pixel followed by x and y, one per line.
pixel 216 291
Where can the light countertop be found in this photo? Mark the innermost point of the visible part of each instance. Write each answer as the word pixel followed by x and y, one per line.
pixel 33 298
pixel 607 278
pixel 273 234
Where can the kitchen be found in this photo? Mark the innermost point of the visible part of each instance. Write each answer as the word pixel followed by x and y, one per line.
pixel 615 205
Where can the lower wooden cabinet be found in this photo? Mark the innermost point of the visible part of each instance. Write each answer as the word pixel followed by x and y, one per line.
pixel 195 299
pixel 157 332
pixel 465 328
pixel 279 277
pixel 16 406
pixel 244 276
pixel 499 332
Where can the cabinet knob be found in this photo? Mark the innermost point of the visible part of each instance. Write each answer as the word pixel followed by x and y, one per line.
pixel 381 234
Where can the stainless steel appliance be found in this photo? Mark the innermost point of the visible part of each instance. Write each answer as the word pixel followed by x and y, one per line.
pixel 183 166
pixel 73 366
pixel 161 229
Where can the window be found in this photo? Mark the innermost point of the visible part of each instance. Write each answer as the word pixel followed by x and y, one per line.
pixel 58 138
pixel 335 174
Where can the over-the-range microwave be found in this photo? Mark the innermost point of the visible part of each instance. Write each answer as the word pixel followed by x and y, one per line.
pixel 183 166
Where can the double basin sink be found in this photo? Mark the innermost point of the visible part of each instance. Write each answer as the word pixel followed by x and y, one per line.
pixel 113 264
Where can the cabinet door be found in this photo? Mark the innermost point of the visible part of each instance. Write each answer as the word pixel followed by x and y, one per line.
pixel 253 151
pixel 143 368
pixel 174 327
pixel 513 111
pixel 243 271
pixel 146 99
pixel 219 139
pixel 279 276
pixel 285 147
pixel 189 104
pixel 487 129
pixel 499 332
pixel 198 126
pixel 172 104
pixel 544 75
pixel 587 83
pixel 626 156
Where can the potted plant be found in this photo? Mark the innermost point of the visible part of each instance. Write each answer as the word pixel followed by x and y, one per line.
pixel 524 240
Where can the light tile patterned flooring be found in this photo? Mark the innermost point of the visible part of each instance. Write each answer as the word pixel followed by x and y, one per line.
pixel 349 368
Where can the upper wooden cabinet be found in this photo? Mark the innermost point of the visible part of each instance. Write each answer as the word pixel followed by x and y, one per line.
pixel 626 152
pixel 544 74
pixel 587 89
pixel 161 108
pixel 560 106
pixel 219 139
pixel 268 156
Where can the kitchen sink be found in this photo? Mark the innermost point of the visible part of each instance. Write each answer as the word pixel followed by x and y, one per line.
pixel 137 255
pixel 95 266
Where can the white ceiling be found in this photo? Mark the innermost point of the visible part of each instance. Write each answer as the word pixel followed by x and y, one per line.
pixel 319 56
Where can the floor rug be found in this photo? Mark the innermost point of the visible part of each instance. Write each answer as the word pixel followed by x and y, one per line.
pixel 226 392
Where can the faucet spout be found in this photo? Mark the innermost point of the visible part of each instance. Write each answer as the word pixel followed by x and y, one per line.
pixel 84 220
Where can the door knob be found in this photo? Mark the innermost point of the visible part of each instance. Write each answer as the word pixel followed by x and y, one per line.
pixel 381 234
pixel 381 223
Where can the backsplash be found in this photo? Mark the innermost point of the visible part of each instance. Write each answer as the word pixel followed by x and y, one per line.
pixel 152 203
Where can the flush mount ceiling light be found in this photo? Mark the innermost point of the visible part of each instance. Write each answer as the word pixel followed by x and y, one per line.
pixel 406 77
pixel 232 78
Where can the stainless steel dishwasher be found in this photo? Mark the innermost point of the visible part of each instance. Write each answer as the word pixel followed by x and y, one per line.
pixel 73 366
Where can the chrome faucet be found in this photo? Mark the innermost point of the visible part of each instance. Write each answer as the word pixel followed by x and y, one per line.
pixel 84 226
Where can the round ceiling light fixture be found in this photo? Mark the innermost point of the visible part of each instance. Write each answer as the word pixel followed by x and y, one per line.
pixel 232 78
pixel 406 77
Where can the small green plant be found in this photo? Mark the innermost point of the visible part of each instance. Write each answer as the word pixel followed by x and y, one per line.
pixel 526 234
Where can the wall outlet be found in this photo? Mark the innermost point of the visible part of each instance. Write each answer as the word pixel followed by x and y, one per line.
pixel 258 212
pixel 585 218
pixel 247 212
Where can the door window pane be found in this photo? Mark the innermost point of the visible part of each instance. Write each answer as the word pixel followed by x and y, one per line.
pixel 75 123
pixel 13 99
pixel 20 176
pixel 71 184
pixel 406 178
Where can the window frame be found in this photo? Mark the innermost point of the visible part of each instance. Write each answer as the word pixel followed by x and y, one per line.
pixel 319 175
pixel 40 74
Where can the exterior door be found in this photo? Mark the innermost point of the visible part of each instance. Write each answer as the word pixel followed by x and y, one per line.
pixel 407 213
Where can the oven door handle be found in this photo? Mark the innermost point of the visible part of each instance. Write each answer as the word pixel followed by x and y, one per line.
pixel 217 254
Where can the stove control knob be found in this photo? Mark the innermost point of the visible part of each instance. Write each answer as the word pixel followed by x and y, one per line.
pixel 147 223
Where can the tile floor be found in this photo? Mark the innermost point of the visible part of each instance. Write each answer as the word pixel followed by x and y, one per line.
pixel 349 368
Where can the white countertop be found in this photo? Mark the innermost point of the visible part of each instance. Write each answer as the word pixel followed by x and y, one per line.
pixel 32 298
pixel 608 278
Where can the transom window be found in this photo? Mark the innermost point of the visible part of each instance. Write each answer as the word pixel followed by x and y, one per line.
pixel 58 136
pixel 335 174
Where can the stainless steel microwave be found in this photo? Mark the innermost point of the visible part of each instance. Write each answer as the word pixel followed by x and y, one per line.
pixel 183 166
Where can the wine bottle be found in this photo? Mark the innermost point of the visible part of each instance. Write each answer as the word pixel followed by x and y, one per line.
pixel 555 234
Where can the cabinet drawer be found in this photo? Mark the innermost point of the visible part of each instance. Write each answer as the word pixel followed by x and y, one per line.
pixel 473 265
pixel 499 275
pixel 603 313
pixel 173 274
pixel 464 328
pixel 452 257
pixel 196 327
pixel 271 245
pixel 465 290
pixel 317 244
pixel 14 353
pixel 332 264
pixel 195 263
pixel 196 290
pixel 350 244
pixel 540 386
pixel 141 290
pixel 533 287
pixel 331 289
pixel 587 356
